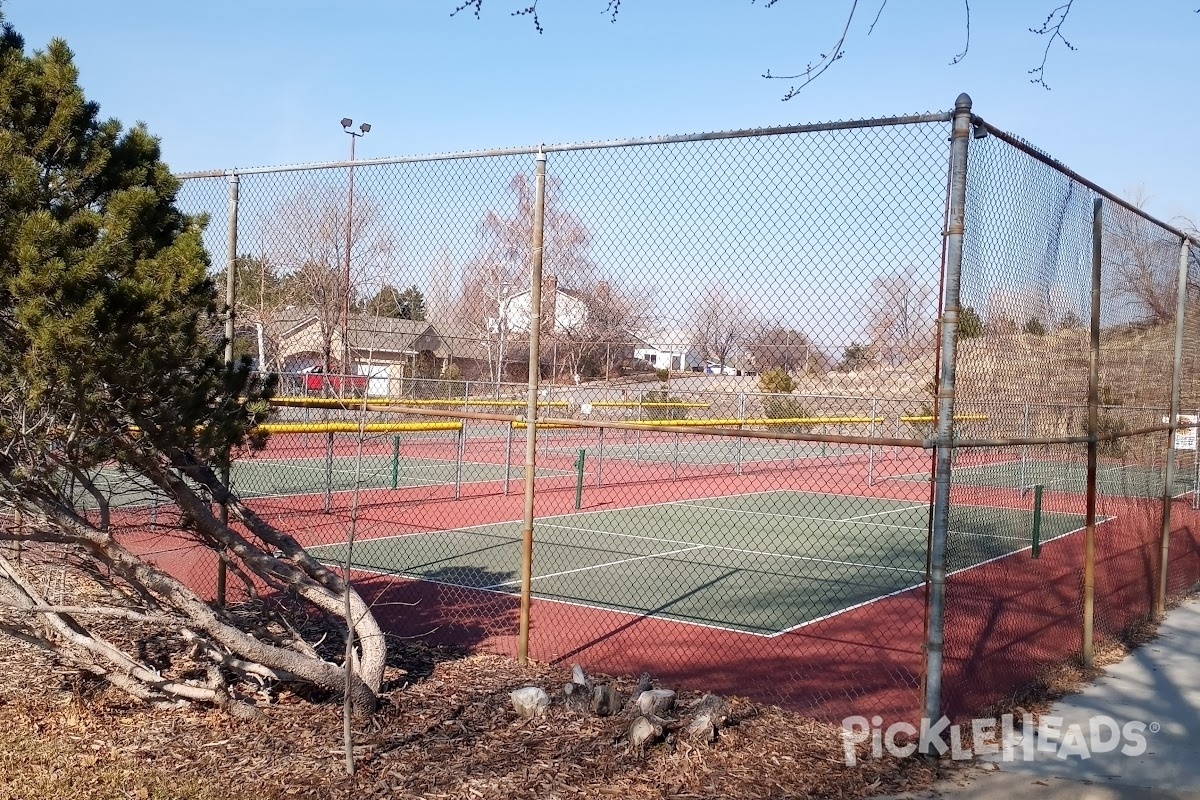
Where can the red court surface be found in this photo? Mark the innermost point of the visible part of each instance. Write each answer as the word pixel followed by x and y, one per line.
pixel 1005 619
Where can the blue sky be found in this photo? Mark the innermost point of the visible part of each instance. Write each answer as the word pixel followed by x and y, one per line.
pixel 265 81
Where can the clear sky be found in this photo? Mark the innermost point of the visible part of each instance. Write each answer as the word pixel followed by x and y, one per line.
pixel 259 82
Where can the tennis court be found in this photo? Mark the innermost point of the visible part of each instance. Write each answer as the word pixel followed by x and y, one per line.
pixel 761 563
pixel 663 448
pixel 268 477
pixel 1124 480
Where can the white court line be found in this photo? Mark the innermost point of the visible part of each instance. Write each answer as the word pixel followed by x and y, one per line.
pixel 740 550
pixel 922 583
pixel 881 513
pixel 601 566
pixel 635 615
pixel 750 512
pixel 645 614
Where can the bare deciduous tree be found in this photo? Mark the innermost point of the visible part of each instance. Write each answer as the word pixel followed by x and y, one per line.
pixel 307 241
pixel 604 332
pixel 901 316
pixel 501 267
pixel 775 345
pixel 723 324
pixel 1141 263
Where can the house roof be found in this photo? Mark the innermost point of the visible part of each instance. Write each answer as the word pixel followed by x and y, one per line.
pixel 670 340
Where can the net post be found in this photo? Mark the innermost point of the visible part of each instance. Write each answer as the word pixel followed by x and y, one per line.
pixel 508 437
pixel 599 455
pixel 535 330
pixel 579 477
pixel 871 447
pixel 737 443
pixel 459 449
pixel 1036 549
pixel 940 510
pixel 1022 467
pixel 675 457
pixel 1093 446
pixel 1164 563
pixel 395 461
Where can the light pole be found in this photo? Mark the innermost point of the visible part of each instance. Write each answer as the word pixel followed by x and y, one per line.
pixel 363 130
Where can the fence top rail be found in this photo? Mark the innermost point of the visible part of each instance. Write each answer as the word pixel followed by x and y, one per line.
pixel 1054 163
pixel 743 133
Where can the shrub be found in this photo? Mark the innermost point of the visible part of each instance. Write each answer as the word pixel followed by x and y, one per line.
pixel 663 374
pixel 970 326
pixel 662 412
pixel 776 380
pixel 452 384
pixel 784 407
pixel 855 357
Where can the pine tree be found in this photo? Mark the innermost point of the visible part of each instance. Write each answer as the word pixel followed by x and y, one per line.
pixel 112 372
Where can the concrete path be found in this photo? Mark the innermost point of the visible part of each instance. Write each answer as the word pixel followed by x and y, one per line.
pixel 1157 685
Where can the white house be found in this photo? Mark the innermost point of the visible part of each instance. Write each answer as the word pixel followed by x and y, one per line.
pixel 671 349
pixel 562 310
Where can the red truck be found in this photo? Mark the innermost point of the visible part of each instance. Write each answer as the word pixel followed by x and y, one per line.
pixel 316 381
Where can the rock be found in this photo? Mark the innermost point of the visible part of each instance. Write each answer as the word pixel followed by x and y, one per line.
pixel 643 731
pixel 653 702
pixel 576 696
pixel 701 729
pixel 530 701
pixel 606 701
pixel 708 714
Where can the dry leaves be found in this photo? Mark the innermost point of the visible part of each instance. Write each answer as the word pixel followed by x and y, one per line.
pixel 451 735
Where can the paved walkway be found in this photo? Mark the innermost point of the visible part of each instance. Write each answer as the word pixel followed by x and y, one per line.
pixel 1158 685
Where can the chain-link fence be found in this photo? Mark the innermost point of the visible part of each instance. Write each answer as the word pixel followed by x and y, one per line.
pixel 812 407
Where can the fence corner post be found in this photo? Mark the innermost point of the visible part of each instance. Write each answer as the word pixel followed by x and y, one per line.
pixel 944 447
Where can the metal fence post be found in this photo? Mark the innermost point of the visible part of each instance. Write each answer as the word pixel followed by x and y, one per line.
pixel 940 512
pixel 535 330
pixel 1026 431
pixel 871 447
pixel 1160 601
pixel 230 326
pixel 1093 452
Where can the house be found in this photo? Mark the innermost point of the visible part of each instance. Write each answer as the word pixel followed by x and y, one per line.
pixel 669 349
pixel 562 310
pixel 388 351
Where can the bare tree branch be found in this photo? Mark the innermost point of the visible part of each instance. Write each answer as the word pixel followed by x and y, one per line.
pixel 967 43
pixel 1051 28
pixel 813 71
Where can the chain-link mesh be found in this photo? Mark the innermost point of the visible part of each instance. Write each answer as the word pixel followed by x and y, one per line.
pixel 736 403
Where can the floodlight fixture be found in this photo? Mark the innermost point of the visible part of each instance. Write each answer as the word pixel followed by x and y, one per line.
pixel 347 122
pixel 365 127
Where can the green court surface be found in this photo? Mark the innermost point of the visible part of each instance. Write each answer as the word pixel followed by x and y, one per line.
pixel 1067 476
pixel 728 451
pixel 258 477
pixel 761 563
pixel 270 477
